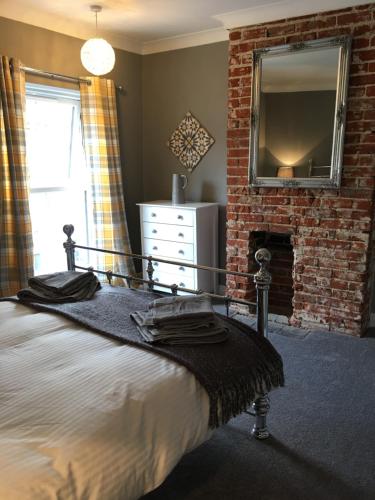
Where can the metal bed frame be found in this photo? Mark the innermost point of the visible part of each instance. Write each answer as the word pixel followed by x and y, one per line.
pixel 262 279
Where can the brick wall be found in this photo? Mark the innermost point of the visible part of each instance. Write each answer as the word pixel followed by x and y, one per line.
pixel 331 229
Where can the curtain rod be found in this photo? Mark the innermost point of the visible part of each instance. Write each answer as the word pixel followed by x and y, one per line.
pixel 54 76
pixel 58 76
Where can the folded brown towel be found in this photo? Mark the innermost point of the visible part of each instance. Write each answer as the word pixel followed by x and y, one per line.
pixel 66 286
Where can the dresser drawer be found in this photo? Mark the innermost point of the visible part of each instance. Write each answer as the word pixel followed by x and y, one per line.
pixel 166 215
pixel 168 249
pixel 170 279
pixel 182 271
pixel 170 232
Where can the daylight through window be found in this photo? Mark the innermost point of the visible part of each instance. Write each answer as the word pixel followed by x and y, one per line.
pixel 59 179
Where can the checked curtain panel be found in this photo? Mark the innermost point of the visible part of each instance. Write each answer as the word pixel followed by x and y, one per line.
pixel 16 246
pixel 99 124
pixel 100 135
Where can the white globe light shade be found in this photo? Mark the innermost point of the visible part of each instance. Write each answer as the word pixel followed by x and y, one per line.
pixel 97 56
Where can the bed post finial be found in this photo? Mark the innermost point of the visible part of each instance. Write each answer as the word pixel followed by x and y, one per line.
pixel 109 275
pixel 262 280
pixel 69 246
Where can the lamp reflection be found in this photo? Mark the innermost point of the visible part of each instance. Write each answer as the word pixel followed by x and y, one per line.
pixel 285 172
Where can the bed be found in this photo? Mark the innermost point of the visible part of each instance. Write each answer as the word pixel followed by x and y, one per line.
pixel 84 416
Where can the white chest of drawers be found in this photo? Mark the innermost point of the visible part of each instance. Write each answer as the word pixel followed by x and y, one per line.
pixel 185 233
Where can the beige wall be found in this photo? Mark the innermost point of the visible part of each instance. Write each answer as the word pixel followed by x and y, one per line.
pixel 50 51
pixel 192 79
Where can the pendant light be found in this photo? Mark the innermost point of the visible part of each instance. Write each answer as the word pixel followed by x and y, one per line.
pixel 97 55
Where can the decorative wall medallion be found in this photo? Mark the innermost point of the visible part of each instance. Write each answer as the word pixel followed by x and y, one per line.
pixel 190 142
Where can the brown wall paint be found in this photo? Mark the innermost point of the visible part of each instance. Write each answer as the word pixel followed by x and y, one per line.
pixel 46 50
pixel 159 90
pixel 192 79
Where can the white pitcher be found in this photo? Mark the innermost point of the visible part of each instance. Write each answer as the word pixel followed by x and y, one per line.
pixel 179 183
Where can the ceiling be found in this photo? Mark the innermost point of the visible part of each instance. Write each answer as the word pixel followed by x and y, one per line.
pixel 147 26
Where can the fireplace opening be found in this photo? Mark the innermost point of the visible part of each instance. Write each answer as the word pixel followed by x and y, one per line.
pixel 281 268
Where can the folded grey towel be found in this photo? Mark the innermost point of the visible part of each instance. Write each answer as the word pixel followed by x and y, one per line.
pixel 64 282
pixel 187 325
pixel 66 286
pixel 172 309
pixel 210 333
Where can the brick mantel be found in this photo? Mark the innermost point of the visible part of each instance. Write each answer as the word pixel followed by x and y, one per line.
pixel 331 230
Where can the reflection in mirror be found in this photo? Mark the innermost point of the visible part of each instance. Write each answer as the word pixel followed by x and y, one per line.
pixel 297 100
pixel 298 94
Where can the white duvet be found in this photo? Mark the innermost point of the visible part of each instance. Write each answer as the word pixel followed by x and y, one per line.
pixel 84 417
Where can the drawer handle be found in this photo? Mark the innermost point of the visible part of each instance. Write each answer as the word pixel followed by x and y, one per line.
pixel 181 235
pixel 182 284
pixel 154 231
pixel 181 268
pixel 180 217
pixel 154 248
pixel 181 252
pixel 153 214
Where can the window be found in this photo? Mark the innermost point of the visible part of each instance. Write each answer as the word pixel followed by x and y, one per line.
pixel 59 179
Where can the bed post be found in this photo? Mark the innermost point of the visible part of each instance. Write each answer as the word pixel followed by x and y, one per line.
pixel 150 273
pixel 262 281
pixel 69 246
pixel 261 407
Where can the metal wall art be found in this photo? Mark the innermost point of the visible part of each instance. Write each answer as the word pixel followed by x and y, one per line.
pixel 190 142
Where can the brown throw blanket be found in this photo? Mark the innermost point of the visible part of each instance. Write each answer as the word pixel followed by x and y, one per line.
pixel 65 286
pixel 232 372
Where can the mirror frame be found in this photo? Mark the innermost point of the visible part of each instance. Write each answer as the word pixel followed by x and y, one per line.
pixel 344 44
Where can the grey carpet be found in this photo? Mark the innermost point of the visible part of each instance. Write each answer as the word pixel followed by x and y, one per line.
pixel 323 431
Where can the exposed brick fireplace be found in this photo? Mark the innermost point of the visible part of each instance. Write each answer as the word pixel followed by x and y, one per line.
pixel 330 231
pixel 281 268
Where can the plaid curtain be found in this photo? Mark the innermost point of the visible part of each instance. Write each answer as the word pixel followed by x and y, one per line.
pixel 16 247
pixel 100 133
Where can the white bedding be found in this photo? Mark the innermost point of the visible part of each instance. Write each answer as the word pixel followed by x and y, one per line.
pixel 84 417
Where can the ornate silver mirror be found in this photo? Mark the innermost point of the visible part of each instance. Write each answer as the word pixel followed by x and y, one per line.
pixel 298 114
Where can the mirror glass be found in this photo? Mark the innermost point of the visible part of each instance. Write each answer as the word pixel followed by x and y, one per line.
pixel 297 123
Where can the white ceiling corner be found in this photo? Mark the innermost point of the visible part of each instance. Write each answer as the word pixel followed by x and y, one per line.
pixel 281 9
pixel 182 41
